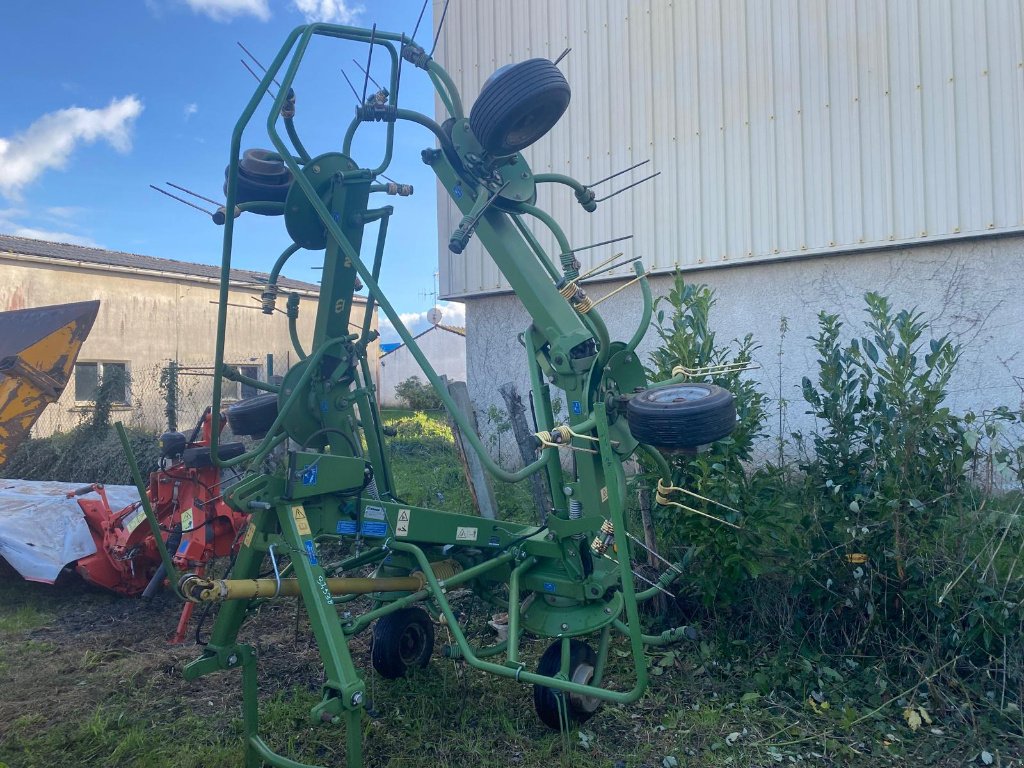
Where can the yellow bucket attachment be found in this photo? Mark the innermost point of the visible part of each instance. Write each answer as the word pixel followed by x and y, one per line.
pixel 38 349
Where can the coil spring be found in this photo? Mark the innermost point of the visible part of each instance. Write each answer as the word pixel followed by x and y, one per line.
pixel 575 510
pixel 371 487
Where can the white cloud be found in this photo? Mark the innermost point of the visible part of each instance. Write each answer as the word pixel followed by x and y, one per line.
pixel 190 109
pixel 328 11
pixel 226 10
pixel 54 237
pixel 452 313
pixel 50 140
pixel 10 225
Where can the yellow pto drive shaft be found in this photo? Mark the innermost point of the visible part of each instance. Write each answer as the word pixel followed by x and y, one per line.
pixel 196 589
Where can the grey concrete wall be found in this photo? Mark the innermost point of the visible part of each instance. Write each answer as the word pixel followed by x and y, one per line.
pixel 145 321
pixel 445 350
pixel 972 290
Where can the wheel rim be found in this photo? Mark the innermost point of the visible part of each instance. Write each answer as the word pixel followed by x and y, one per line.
pixel 679 394
pixel 583 674
pixel 410 644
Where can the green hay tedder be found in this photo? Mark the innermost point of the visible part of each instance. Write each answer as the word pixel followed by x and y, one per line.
pixel 569 579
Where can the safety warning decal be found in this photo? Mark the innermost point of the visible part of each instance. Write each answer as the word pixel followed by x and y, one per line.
pixel 402 528
pixel 250 532
pixel 465 534
pixel 301 523
pixel 186 520
pixel 135 520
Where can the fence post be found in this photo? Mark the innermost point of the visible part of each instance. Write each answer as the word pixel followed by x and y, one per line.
pixel 479 482
pixel 516 415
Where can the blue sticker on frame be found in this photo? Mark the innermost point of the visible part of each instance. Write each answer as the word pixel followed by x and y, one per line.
pixel 311 553
pixel 309 475
pixel 576 407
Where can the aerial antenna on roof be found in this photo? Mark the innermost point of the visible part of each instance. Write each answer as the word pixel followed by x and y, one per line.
pixel 440 24
pixel 561 56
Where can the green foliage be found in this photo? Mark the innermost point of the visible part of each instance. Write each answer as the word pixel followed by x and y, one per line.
pixel 86 454
pixel 723 558
pixel 882 563
pixel 900 547
pixel 169 390
pixel 417 395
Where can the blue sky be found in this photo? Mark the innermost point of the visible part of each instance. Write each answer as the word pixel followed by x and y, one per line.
pixel 106 97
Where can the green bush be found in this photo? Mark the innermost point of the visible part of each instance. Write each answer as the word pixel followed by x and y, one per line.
pixel 902 543
pixel 417 395
pixel 86 454
pixel 722 559
pixel 882 562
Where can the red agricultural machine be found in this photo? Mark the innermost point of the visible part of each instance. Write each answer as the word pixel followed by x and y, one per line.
pixel 106 534
pixel 186 492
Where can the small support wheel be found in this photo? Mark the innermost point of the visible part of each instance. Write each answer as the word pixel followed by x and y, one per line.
pixel 681 416
pixel 517 105
pixel 547 701
pixel 402 640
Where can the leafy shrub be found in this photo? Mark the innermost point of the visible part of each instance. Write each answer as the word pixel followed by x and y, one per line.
pixel 417 395
pixel 86 454
pixel 723 559
pixel 901 544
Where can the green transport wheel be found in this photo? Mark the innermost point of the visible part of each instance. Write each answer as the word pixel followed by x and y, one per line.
pixel 402 640
pixel 547 701
pixel 681 416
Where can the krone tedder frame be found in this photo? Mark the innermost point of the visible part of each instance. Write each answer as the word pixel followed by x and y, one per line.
pixel 567 579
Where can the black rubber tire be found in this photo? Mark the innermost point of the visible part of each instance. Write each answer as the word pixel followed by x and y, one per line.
pixel 679 416
pixel 260 178
pixel 200 456
pixel 402 640
pixel 254 415
pixel 518 104
pixel 546 700
pixel 262 163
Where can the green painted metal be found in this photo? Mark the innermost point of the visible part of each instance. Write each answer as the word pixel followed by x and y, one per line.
pixel 337 484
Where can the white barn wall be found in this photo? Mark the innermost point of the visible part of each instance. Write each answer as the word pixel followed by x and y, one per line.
pixel 781 129
pixel 810 150
pixel 446 351
pixel 971 291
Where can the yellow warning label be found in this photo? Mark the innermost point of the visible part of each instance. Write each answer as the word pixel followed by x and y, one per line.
pixel 249 534
pixel 134 520
pixel 604 493
pixel 402 526
pixel 301 523
pixel 186 520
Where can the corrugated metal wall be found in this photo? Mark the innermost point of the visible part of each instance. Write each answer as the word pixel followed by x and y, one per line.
pixel 781 127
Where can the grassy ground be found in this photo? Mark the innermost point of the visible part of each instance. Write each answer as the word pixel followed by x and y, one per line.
pixel 87 679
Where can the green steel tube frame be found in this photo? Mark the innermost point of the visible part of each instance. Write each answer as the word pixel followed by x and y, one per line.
pixel 557 331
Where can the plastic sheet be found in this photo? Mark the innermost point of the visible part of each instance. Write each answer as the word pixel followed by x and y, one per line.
pixel 41 530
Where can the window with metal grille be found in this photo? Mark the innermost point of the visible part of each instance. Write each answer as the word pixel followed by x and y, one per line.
pixel 90 376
